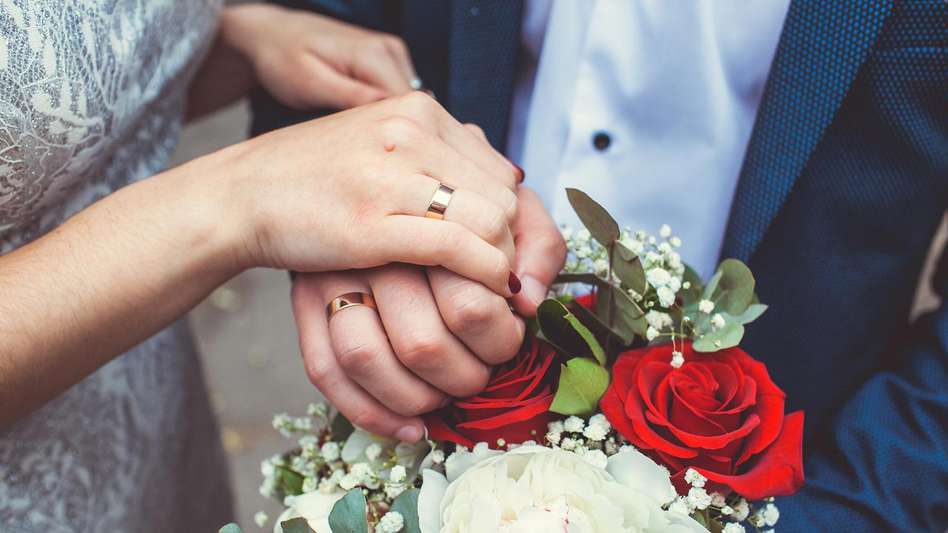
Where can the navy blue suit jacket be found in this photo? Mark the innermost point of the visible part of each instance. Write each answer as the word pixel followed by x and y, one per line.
pixel 843 186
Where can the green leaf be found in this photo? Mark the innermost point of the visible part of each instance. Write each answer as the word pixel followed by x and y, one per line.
pixel 692 294
pixel 230 528
pixel 563 329
pixel 296 525
pixel 751 314
pixel 727 337
pixel 289 481
pixel 407 504
pixel 735 291
pixel 712 285
pixel 341 428
pixel 630 271
pixel 582 384
pixel 628 317
pixel 597 220
pixel 587 278
pixel 599 327
pixel 348 514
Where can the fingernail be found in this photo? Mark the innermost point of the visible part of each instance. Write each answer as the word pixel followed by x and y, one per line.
pixel 534 290
pixel 521 175
pixel 513 282
pixel 408 434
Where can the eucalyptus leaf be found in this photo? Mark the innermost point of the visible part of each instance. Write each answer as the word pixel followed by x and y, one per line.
pixel 727 337
pixel 297 525
pixel 712 285
pixel 735 291
pixel 749 315
pixel 630 271
pixel 348 514
pixel 692 294
pixel 407 504
pixel 587 278
pixel 599 327
pixel 582 383
pixel 341 427
pixel 564 330
pixel 597 220
pixel 289 481
pixel 628 319
pixel 230 528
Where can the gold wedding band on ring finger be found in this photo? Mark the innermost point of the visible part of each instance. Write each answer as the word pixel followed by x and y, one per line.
pixel 439 202
pixel 350 299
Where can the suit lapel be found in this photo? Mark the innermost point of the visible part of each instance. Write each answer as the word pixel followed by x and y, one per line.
pixel 820 50
pixel 484 45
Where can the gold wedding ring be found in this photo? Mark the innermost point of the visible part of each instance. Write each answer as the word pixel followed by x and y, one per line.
pixel 350 299
pixel 439 202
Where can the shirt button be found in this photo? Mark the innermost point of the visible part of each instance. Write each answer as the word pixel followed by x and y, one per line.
pixel 601 141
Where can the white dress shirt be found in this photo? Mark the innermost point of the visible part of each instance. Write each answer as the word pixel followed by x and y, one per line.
pixel 646 105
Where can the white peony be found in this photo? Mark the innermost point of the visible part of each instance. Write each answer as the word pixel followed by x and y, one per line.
pixel 538 489
pixel 314 507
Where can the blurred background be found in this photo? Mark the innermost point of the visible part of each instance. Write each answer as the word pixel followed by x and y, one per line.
pixel 248 342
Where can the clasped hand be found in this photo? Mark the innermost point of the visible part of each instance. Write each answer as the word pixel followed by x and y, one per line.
pixel 437 330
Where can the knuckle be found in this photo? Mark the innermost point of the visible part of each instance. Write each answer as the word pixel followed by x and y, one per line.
pixel 553 245
pixel 472 309
pixel 357 358
pixel 395 43
pixel 510 203
pixel 318 370
pixel 477 130
pixel 418 104
pixel 422 351
pixel 495 225
pixel 418 404
pixel 473 383
pixel 399 130
pixel 367 419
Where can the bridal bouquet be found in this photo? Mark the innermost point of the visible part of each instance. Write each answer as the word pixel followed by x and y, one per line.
pixel 630 408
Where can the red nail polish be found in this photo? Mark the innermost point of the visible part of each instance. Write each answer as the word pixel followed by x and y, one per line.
pixel 513 282
pixel 521 175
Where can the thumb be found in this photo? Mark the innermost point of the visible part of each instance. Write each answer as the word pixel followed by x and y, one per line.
pixel 541 252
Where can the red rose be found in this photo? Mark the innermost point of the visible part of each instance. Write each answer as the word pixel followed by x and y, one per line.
pixel 513 407
pixel 719 413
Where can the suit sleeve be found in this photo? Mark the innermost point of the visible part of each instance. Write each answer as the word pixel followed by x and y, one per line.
pixel 884 464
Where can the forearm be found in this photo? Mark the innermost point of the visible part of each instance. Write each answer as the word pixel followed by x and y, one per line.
pixel 227 73
pixel 107 279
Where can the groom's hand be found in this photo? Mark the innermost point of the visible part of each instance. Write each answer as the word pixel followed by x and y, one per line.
pixel 434 334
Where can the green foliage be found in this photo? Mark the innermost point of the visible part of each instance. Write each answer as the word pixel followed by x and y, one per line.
pixel 749 315
pixel 582 383
pixel 341 427
pixel 727 337
pixel 627 318
pixel 597 220
pixel 733 287
pixel 348 514
pixel 562 329
pixel 296 525
pixel 407 504
pixel 230 528
pixel 628 267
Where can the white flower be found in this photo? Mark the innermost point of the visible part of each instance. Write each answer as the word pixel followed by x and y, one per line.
pixel 675 241
pixel 699 498
pixel 596 458
pixel 437 457
pixel 694 478
pixel 741 510
pixel 398 474
pixel 717 321
pixel 310 484
pixel 372 451
pixel 314 507
pixel 770 514
pixel 757 519
pixel 680 505
pixel 666 296
pixel 582 236
pixel 534 488
pixel 595 432
pixel 706 306
pixel 718 499
pixel 678 359
pixel 555 427
pixel 568 444
pixel 330 451
pixel 553 438
pixel 658 320
pixel 733 528
pixel 657 277
pixel 651 333
pixel 391 522
pixel 260 518
pixel 727 510
pixel 665 231
pixel 574 424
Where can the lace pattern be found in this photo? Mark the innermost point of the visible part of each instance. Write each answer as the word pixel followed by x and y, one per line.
pixel 91 93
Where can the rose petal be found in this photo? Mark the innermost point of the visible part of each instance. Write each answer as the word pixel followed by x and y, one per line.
pixel 778 471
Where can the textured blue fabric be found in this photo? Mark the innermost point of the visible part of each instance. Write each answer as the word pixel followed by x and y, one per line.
pixel 842 188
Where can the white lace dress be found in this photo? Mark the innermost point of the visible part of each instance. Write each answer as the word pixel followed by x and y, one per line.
pixel 91 94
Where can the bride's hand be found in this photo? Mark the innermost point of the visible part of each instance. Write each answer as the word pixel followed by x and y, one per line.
pixel 310 61
pixel 351 191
